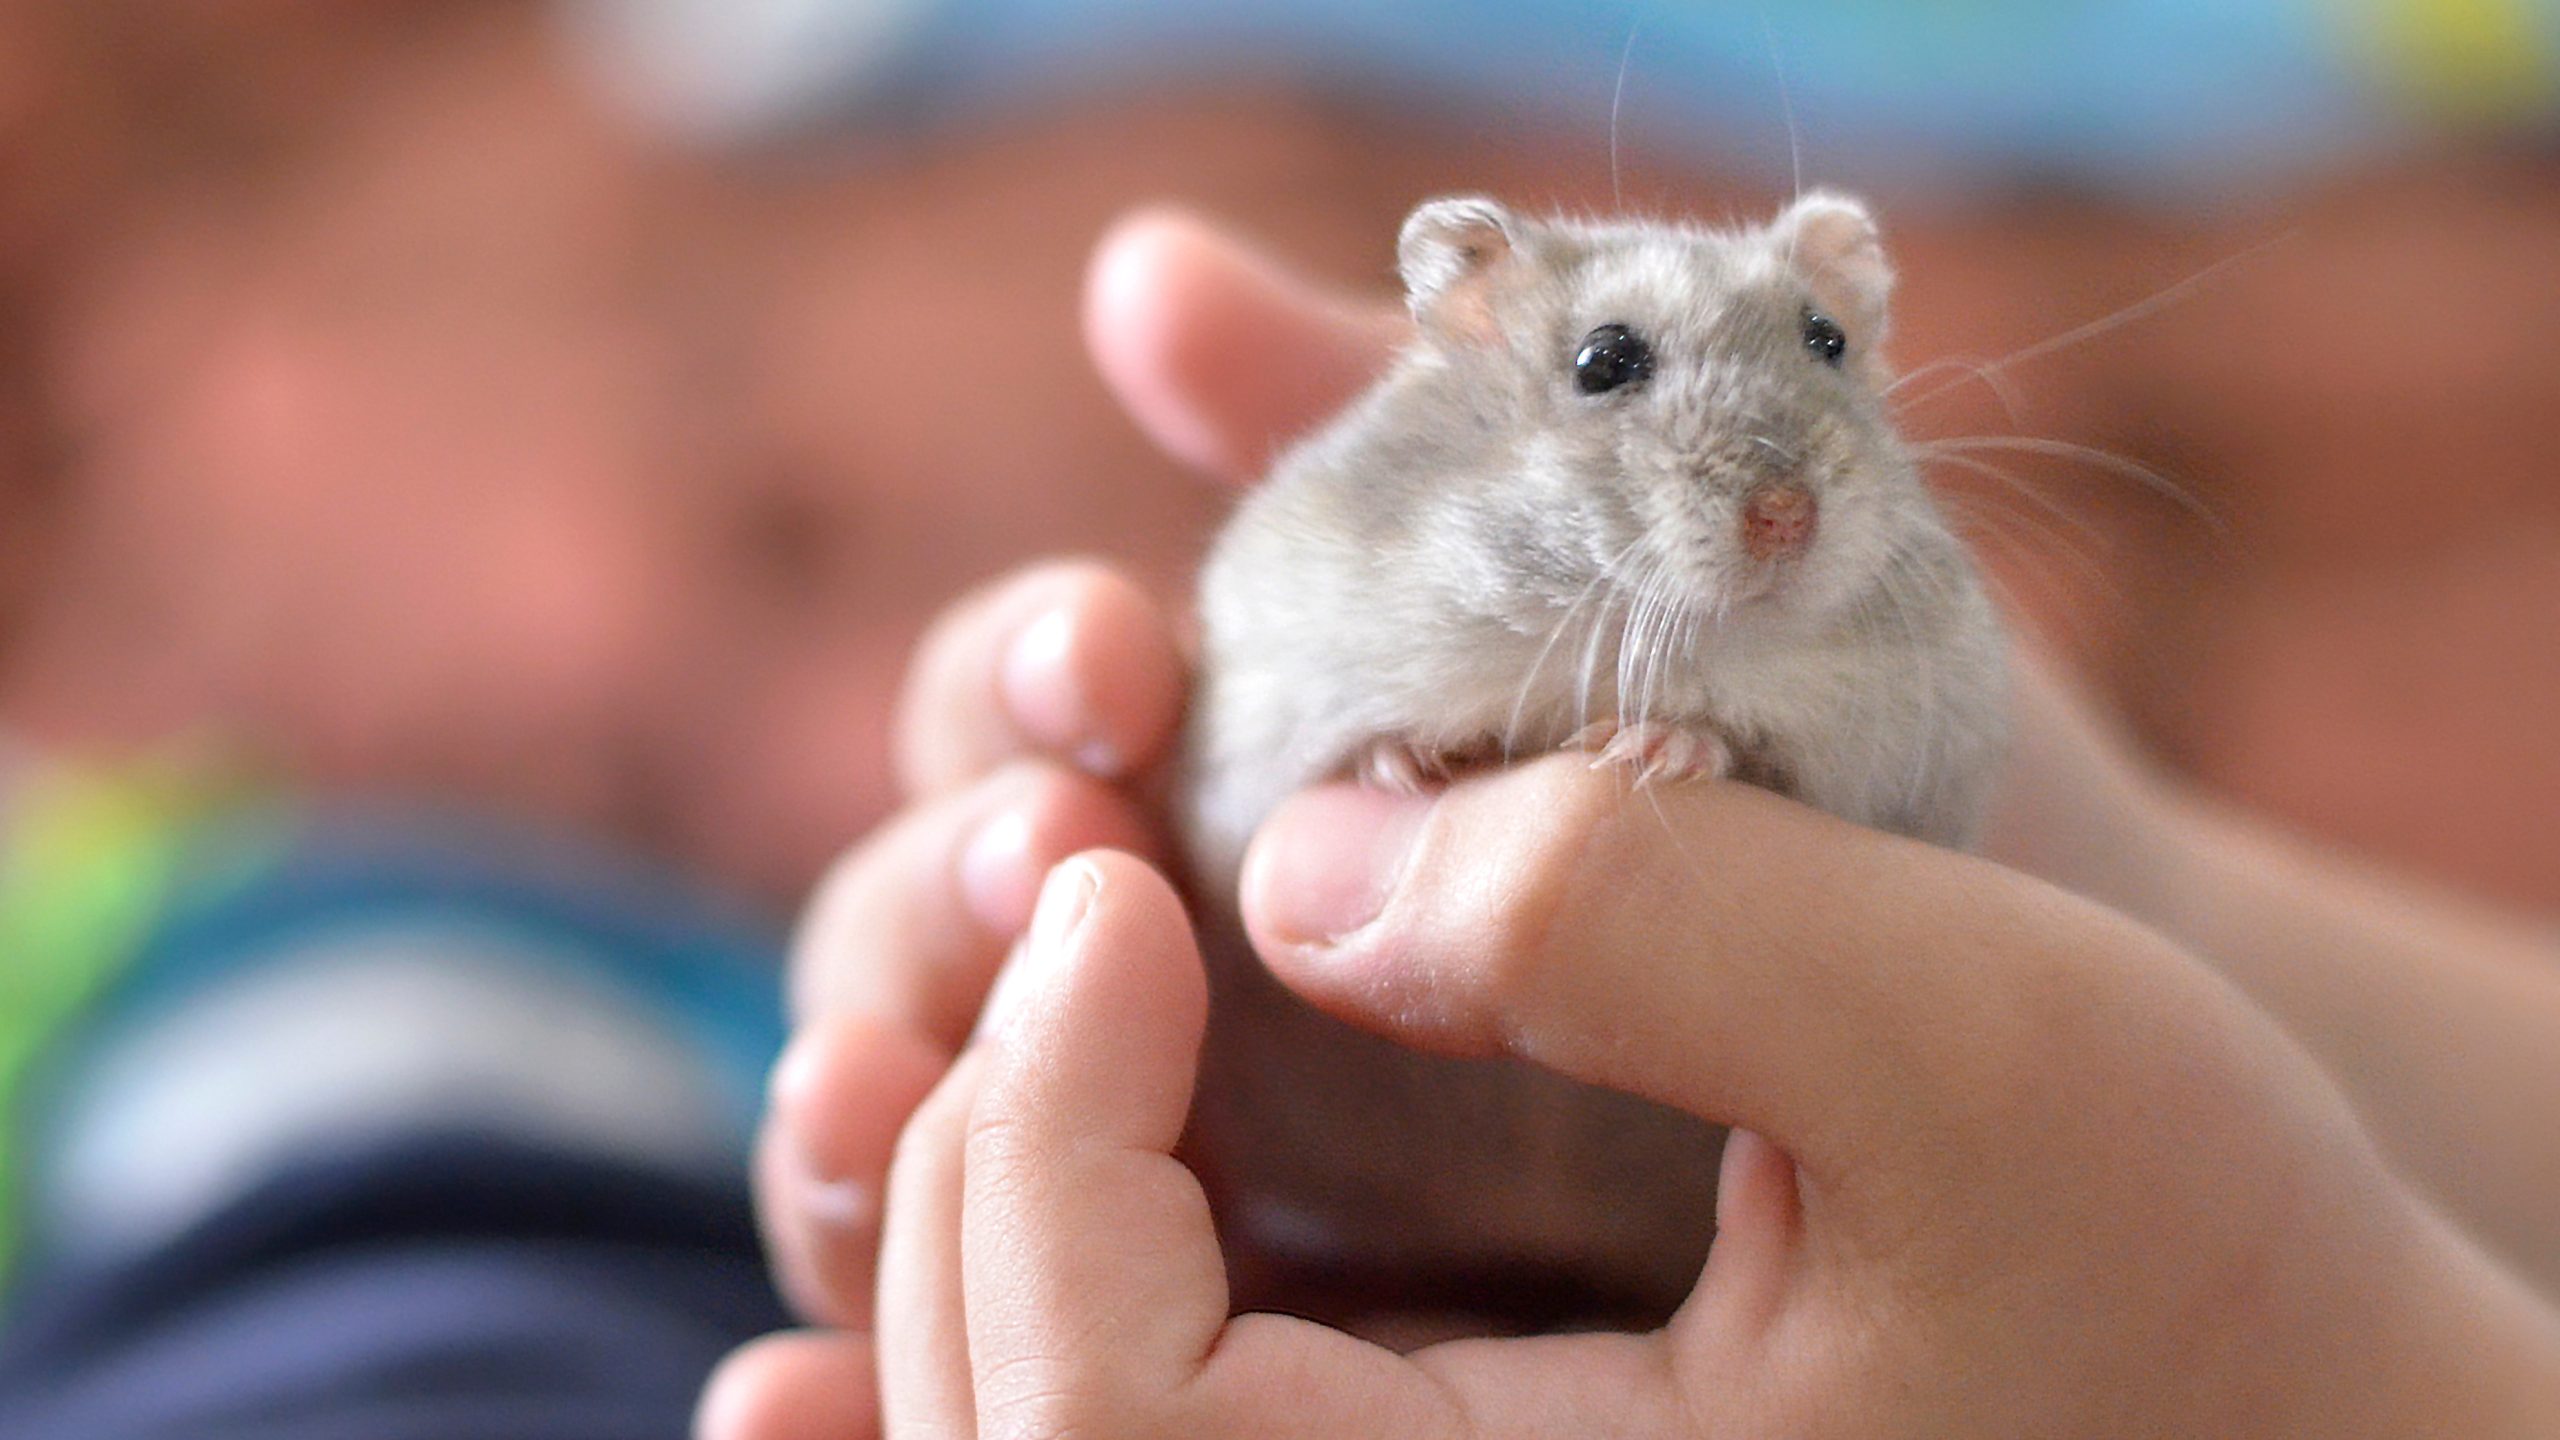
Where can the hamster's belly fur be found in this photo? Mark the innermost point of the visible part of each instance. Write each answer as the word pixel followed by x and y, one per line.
pixel 1333 1151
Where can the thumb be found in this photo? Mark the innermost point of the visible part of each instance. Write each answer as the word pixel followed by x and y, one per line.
pixel 1219 354
pixel 1847 993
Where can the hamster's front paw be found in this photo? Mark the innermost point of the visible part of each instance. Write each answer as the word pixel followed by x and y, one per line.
pixel 1401 767
pixel 1657 753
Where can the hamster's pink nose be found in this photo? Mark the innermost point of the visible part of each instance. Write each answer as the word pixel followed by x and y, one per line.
pixel 1777 520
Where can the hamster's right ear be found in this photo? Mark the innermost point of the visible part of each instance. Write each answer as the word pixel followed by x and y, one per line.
pixel 1449 254
pixel 1833 242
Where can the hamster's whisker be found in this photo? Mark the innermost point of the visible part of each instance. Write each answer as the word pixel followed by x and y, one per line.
pixel 2081 573
pixel 1998 384
pixel 1628 631
pixel 2046 545
pixel 1787 110
pixel 2156 301
pixel 1783 454
pixel 2096 459
pixel 2013 531
pixel 1657 645
pixel 1564 622
pixel 1617 101
pixel 1635 651
pixel 1598 631
pixel 2098 543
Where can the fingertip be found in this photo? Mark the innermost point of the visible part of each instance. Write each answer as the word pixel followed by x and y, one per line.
pixel 910 925
pixel 1389 914
pixel 1106 999
pixel 1145 273
pixel 1052 815
pixel 1757 1210
pixel 796 1385
pixel 1092 1262
pixel 1068 659
pixel 1217 352
pixel 1325 864
pixel 1095 678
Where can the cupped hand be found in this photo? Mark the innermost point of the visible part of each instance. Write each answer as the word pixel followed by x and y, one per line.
pixel 2010 1164
pixel 1032 711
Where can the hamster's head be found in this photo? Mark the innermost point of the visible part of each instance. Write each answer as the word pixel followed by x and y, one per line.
pixel 1702 411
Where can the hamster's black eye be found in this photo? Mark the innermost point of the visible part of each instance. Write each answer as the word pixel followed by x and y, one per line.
pixel 1824 337
pixel 1611 356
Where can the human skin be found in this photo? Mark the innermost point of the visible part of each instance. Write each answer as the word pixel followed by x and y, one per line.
pixel 2086 1191
pixel 895 949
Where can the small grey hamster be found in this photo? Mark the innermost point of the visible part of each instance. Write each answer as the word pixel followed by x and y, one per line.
pixel 1632 488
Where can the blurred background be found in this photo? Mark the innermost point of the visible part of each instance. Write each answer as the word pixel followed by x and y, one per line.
pixel 575 409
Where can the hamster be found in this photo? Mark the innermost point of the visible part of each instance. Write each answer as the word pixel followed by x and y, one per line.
pixel 1633 488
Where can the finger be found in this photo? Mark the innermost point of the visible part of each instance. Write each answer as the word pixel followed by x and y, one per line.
pixel 1097 1299
pixel 910 926
pixel 844 1090
pixel 1219 354
pixel 1846 993
pixel 1068 660
pixel 798 1385
pixel 1084 1236
pixel 925 1387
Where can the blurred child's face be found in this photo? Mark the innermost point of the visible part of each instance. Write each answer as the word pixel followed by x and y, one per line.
pixel 490 461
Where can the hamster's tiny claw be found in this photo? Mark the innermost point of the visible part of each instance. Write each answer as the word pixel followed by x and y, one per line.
pixel 1400 768
pixel 1657 753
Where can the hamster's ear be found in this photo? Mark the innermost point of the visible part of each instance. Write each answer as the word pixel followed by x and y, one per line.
pixel 1448 254
pixel 1833 243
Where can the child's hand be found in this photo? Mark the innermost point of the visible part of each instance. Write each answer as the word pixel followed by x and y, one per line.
pixel 1025 705
pixel 2028 1169
pixel 1221 359
pixel 2437 1017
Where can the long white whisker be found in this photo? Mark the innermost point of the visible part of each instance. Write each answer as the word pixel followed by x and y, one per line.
pixel 2026 492
pixel 1998 384
pixel 2151 304
pixel 2117 465
pixel 1996 525
pixel 1786 107
pixel 1520 702
pixel 1617 99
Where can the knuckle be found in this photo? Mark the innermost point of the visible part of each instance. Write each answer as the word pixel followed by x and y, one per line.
pixel 1065 1390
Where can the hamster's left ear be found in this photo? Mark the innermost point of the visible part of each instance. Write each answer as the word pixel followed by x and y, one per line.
pixel 1833 243
pixel 1452 254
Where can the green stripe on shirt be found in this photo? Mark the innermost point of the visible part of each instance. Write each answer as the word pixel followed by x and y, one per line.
pixel 86 859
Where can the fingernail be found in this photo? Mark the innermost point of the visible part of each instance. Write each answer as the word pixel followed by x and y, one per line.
pixel 1327 864
pixel 845 1206
pixel 826 1199
pixel 1065 899
pixel 1038 683
pixel 998 881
